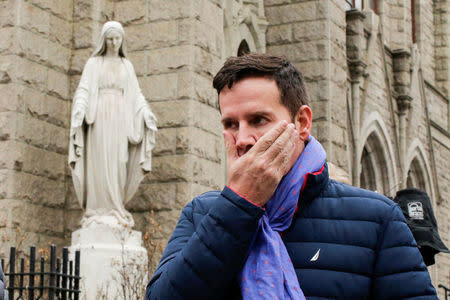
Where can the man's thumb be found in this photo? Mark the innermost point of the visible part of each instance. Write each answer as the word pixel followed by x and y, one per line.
pixel 230 145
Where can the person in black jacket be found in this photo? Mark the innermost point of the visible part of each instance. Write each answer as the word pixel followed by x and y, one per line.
pixel 281 229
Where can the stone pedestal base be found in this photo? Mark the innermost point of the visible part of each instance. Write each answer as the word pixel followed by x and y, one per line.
pixel 113 263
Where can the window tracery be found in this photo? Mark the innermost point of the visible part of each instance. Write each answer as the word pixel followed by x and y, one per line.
pixel 244 26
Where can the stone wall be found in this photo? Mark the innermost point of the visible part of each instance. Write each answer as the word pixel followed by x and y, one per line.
pixel 424 28
pixel 34 116
pixel 442 44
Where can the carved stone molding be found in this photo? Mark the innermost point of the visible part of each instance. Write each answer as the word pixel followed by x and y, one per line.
pixel 403 103
pixel 244 20
pixel 357 68
pixel 355 34
pixel 401 64
pixel 355 42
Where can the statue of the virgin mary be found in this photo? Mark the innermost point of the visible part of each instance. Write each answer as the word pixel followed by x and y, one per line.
pixel 112 130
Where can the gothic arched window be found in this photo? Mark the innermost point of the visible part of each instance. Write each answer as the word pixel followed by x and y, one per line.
pixel 416 178
pixel 374 169
pixel 243 48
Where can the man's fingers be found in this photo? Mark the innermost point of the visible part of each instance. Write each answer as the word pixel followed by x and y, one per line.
pixel 269 138
pixel 280 143
pixel 230 146
pixel 281 153
pixel 286 157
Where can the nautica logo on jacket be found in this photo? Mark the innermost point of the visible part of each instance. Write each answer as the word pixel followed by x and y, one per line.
pixel 316 256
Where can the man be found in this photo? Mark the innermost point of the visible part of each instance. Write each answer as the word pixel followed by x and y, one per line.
pixel 281 229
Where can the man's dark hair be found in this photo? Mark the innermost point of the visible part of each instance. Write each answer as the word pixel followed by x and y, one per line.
pixel 289 80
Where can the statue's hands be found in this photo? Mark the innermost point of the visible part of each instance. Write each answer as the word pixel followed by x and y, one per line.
pixel 77 119
pixel 150 119
pixel 256 174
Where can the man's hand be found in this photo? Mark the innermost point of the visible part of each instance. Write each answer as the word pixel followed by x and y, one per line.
pixel 256 174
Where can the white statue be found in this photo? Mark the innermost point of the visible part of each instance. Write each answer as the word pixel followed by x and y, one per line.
pixel 112 131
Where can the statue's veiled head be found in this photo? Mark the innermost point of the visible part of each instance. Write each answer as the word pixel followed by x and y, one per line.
pixel 112 39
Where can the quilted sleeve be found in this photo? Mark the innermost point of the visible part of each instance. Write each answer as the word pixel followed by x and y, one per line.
pixel 201 261
pixel 400 272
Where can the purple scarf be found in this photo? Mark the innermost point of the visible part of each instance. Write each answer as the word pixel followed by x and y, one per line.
pixel 268 272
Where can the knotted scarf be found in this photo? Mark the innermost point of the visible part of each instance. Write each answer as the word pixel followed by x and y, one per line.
pixel 268 272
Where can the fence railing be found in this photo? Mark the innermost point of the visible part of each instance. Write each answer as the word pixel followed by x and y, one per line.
pixel 446 290
pixel 61 281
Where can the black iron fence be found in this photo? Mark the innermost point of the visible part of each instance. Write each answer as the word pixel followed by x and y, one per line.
pixel 61 281
pixel 446 290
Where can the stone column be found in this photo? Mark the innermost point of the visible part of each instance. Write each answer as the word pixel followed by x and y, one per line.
pixel 399 14
pixel 355 47
pixel 311 34
pixel 402 83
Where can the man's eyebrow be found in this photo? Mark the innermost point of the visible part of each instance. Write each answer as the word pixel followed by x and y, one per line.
pixel 224 120
pixel 250 115
pixel 258 113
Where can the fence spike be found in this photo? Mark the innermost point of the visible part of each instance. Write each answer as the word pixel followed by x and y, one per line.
pixel 22 270
pixel 41 280
pixel 70 279
pixel 12 262
pixel 77 275
pixel 65 252
pixel 58 279
pixel 32 274
pixel 51 292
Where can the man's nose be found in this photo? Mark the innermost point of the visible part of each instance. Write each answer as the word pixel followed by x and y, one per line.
pixel 245 139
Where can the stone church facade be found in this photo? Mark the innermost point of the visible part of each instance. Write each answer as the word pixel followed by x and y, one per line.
pixel 377 71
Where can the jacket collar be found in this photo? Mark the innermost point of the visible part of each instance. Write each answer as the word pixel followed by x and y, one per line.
pixel 313 185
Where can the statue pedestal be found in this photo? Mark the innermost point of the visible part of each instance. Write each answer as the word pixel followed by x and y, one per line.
pixel 113 263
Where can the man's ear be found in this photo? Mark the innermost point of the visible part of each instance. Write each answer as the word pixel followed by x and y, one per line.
pixel 303 122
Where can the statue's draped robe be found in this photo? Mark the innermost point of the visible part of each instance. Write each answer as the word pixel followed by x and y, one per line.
pixel 110 152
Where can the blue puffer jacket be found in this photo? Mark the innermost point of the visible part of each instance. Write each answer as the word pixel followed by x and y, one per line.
pixel 366 248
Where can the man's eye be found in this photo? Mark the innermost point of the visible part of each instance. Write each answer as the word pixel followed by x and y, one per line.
pixel 229 125
pixel 259 121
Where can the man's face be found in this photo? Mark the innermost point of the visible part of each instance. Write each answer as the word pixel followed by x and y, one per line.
pixel 250 109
